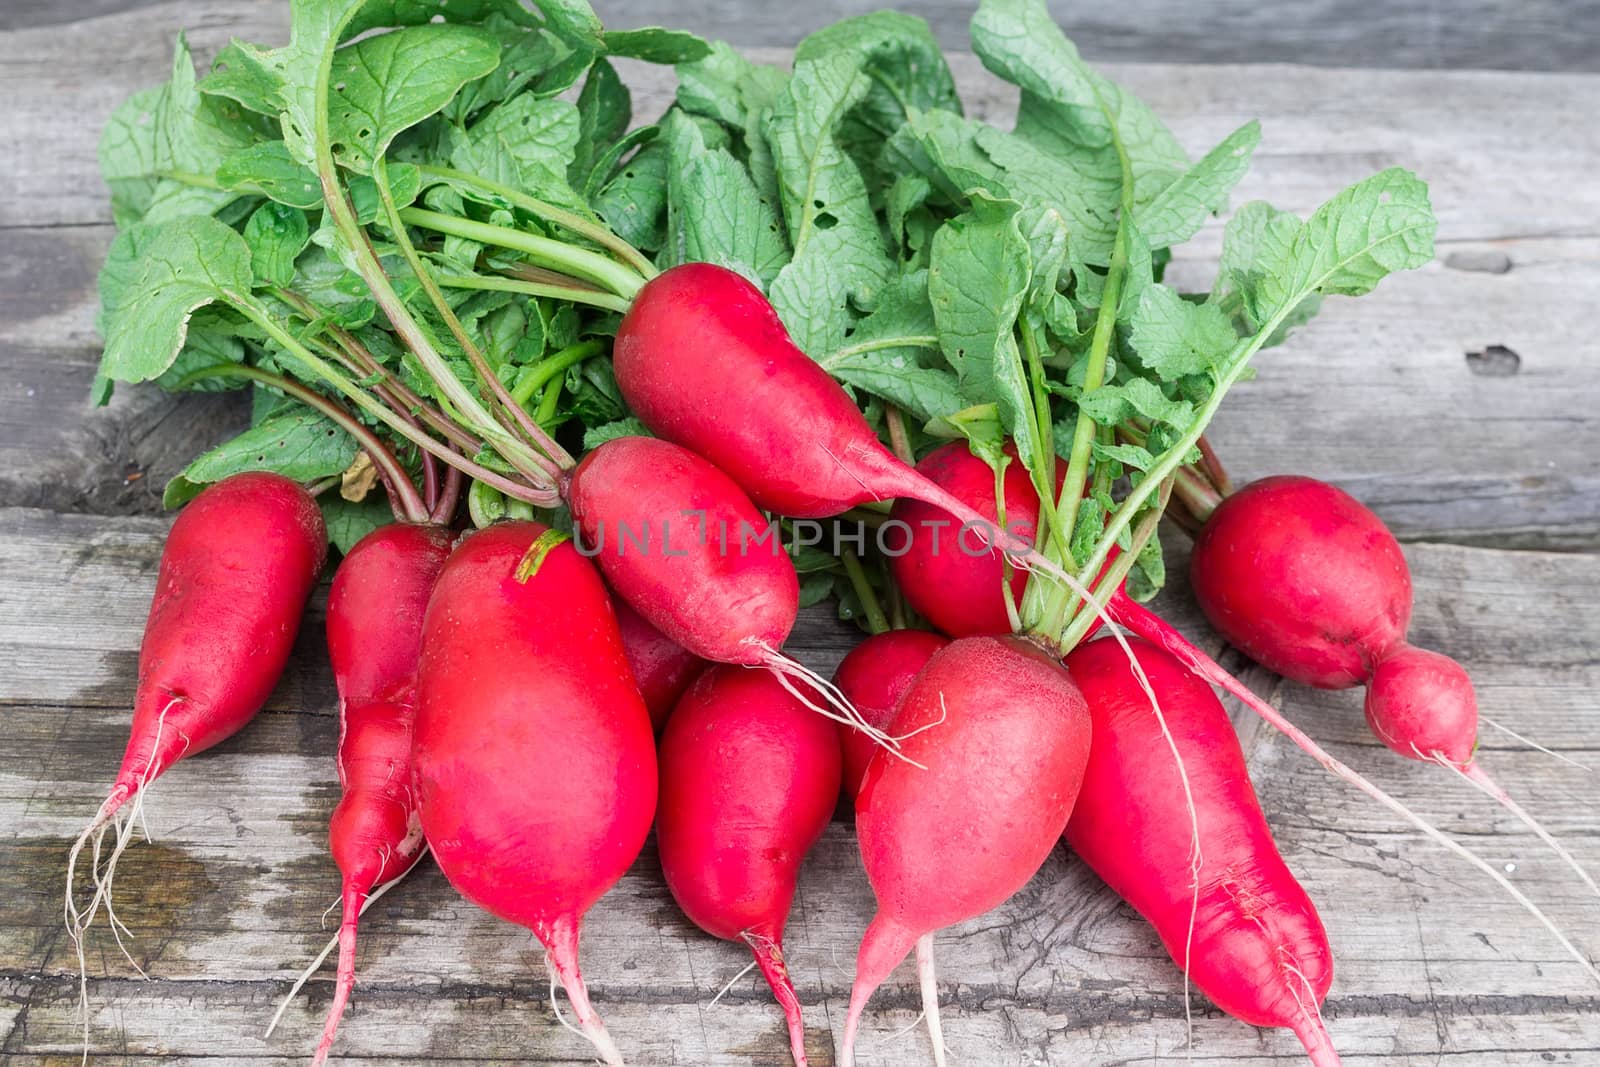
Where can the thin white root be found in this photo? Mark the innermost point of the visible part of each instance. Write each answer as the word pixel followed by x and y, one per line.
pixel 1481 781
pixel 746 969
pixel 1509 732
pixel 929 980
pixel 327 950
pixel 838 707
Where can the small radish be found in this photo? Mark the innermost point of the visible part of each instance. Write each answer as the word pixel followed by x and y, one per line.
pixel 873 677
pixel 702 358
pixel 682 544
pixel 535 759
pixel 994 740
pixel 662 668
pixel 235 573
pixel 1308 582
pixel 1236 921
pixel 749 778
pixel 1022 506
pixel 375 612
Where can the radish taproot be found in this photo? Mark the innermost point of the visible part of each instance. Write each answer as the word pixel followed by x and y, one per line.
pixel 662 668
pixel 235 573
pixel 685 547
pixel 375 610
pixel 749 779
pixel 703 360
pixel 873 677
pixel 536 767
pixel 1308 582
pixel 1236 922
pixel 994 740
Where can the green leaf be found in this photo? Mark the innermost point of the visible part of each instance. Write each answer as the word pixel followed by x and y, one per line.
pixel 596 436
pixel 1348 245
pixel 892 353
pixel 715 214
pixel 528 54
pixel 528 144
pixel 1175 338
pixel 303 446
pixel 276 235
pixel 977 282
pixel 212 340
pixel 980 427
pixel 183 266
pixel 349 521
pixel 1149 571
pixel 239 74
pixel 268 168
pixel 1128 455
pixel 652 44
pixel 1178 211
pixel 1112 404
pixel 726 86
pixel 604 109
pixel 385 84
pixel 634 203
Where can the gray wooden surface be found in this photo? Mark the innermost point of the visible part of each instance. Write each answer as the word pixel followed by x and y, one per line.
pixel 1489 34
pixel 1381 395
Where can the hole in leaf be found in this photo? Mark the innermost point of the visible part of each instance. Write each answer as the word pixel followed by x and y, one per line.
pixel 826 220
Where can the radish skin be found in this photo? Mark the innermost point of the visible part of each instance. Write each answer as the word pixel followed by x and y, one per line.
pixel 535 758
pixel 749 778
pixel 662 668
pixel 375 611
pixel 235 573
pixel 1246 933
pixel 1003 735
pixel 873 677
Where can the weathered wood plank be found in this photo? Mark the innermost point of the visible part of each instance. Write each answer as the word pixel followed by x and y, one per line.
pixel 226 903
pixel 1380 394
pixel 1544 35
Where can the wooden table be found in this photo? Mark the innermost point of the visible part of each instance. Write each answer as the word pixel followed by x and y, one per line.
pixel 1485 464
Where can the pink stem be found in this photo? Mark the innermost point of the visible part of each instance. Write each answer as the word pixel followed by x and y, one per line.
pixel 346 979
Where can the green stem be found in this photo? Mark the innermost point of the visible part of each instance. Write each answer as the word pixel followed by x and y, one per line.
pixel 559 459
pixel 917 340
pixel 1115 575
pixel 556 364
pixel 550 401
pixel 591 297
pixel 320 368
pixel 877 621
pixel 579 225
pixel 394 475
pixel 577 262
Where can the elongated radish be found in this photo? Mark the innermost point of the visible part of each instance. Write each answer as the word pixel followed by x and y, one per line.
pixel 749 777
pixel 873 677
pixel 235 572
pixel 535 759
pixel 702 358
pixel 1022 506
pixel 1305 580
pixel 995 739
pixel 683 545
pixel 375 611
pixel 662 668
pixel 1237 922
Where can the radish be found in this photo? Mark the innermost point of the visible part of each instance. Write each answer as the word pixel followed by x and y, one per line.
pixel 375 612
pixel 994 740
pixel 873 677
pixel 1022 507
pixel 749 777
pixel 677 539
pixel 662 668
pixel 1237 923
pixel 535 760
pixel 702 358
pixel 235 573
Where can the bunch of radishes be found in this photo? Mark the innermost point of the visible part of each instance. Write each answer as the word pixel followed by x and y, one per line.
pixel 525 697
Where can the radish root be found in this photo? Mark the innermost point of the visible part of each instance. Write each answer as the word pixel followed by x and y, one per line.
pixel 929 980
pixel 769 957
pixel 1509 732
pixel 561 955
pixel 1475 774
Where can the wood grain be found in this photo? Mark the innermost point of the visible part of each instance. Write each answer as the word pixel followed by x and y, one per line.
pixel 225 905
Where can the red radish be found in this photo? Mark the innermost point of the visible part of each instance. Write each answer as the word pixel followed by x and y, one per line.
pixel 995 737
pixel 535 760
pixel 1305 580
pixel 678 540
pixel 375 612
pixel 1238 923
pixel 702 358
pixel 959 589
pixel 235 572
pixel 873 677
pixel 662 668
pixel 1022 506
pixel 749 777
